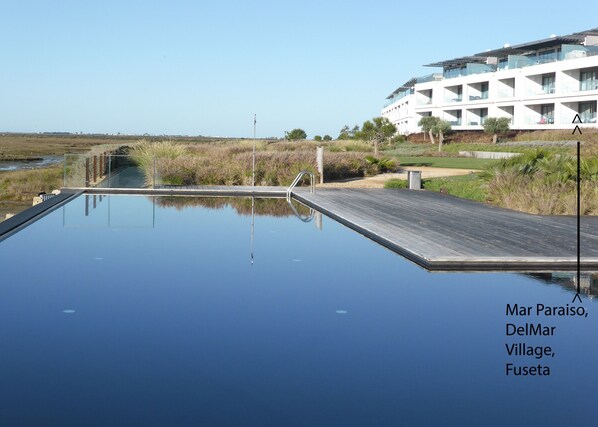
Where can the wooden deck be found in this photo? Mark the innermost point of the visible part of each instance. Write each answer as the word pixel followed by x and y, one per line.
pixel 442 232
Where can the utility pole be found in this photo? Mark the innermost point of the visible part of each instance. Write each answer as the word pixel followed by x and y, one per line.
pixel 253 164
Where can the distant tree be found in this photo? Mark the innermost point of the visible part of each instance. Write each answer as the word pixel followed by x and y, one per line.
pixel 441 128
pixel 376 131
pixel 296 135
pixel 327 137
pixel 344 133
pixel 317 138
pixel 427 123
pixel 496 126
pixel 348 133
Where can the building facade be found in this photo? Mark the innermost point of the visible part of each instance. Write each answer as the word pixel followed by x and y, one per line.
pixel 537 85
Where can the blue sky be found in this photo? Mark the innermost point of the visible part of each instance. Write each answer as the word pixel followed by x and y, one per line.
pixel 199 67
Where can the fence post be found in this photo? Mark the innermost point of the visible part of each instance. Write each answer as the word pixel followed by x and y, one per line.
pixel 109 169
pixel 154 177
pixel 320 163
pixel 87 172
pixel 95 169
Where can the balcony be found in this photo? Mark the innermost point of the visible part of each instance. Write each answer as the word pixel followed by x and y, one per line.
pixel 540 120
pixel 396 97
pixel 469 70
pixel 429 78
pixel 449 99
pixel 567 52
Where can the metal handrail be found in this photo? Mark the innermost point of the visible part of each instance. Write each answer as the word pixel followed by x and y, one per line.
pixel 298 178
pixel 298 215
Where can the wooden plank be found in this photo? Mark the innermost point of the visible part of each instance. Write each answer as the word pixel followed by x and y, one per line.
pixel 442 232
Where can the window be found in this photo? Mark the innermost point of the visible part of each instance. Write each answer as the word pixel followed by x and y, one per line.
pixel 587 112
pixel 548 83
pixel 484 90
pixel 547 114
pixel 588 80
pixel 483 115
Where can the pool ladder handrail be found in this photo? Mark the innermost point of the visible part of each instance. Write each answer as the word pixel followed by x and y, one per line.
pixel 298 215
pixel 298 178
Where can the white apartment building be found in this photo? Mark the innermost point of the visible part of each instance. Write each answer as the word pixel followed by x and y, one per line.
pixel 538 85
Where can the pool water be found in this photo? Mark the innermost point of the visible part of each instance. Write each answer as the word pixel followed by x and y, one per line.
pixel 132 310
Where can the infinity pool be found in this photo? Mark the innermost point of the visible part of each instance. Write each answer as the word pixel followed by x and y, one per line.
pixel 129 310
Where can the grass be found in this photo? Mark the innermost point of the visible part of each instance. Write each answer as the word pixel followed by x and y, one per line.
pixel 23 185
pixel 470 186
pixel 446 162
pixel 455 148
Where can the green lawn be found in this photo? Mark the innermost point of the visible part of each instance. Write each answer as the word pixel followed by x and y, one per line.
pixel 445 162
pixel 470 186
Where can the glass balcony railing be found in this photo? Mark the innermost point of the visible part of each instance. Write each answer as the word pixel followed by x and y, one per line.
pixel 567 52
pixel 429 78
pixel 453 98
pixel 588 117
pixel 506 93
pixel 398 96
pixel 469 70
pixel 540 120
pixel 585 85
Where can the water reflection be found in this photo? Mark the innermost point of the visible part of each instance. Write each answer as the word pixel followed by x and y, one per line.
pixel 244 206
pixel 97 211
pixel 104 211
pixel 568 280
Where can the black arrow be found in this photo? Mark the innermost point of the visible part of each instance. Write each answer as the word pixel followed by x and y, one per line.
pixel 578 215
pixel 577 129
pixel 577 119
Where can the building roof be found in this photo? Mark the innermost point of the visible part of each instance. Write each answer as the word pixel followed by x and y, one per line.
pixel 531 46
pixel 575 38
pixel 456 62
pixel 405 86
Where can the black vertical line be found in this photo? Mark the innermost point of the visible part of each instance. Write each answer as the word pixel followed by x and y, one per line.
pixel 578 216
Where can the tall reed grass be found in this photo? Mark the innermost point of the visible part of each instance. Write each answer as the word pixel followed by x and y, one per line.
pixel 23 185
pixel 231 164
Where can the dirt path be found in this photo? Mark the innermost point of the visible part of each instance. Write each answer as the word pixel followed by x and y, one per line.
pixel 379 180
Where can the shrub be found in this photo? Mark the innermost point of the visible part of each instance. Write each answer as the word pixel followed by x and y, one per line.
pixel 543 182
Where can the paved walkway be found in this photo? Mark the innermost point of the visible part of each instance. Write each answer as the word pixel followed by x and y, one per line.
pixel 379 180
